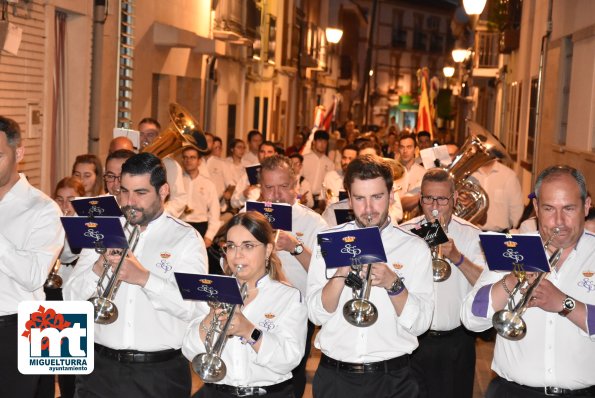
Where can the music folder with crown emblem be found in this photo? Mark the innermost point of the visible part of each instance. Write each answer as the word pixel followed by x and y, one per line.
pixel 344 215
pixel 86 233
pixel 104 205
pixel 208 287
pixel 354 247
pixel 278 214
pixel 432 233
pixel 505 252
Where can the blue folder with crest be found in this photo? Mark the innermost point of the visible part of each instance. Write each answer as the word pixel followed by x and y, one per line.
pixel 99 232
pixel 343 195
pixel 278 214
pixel 504 252
pixel 253 173
pixel 201 287
pixel 344 215
pixel 105 206
pixel 353 247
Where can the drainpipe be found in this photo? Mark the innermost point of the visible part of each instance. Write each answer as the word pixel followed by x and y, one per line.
pixel 99 18
pixel 540 84
pixel 209 88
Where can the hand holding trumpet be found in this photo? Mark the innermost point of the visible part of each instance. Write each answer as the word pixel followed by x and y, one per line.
pixel 131 270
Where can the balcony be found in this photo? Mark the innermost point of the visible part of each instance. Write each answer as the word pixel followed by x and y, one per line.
pixel 485 62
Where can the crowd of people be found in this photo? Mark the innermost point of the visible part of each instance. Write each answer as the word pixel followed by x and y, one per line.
pixel 189 207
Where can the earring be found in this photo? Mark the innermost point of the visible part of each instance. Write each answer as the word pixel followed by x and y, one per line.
pixel 267 263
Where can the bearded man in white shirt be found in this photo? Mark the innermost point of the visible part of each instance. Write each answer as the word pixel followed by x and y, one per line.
pixel 31 237
pixel 139 353
pixel 555 357
pixel 371 361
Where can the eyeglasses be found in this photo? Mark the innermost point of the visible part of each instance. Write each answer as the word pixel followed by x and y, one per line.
pixel 111 178
pixel 246 248
pixel 441 200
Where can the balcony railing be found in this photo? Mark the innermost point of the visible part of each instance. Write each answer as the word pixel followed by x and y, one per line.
pixel 486 49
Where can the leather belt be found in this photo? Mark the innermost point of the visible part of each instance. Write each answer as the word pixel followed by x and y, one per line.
pixel 443 333
pixel 370 367
pixel 249 391
pixel 8 320
pixel 558 391
pixel 133 356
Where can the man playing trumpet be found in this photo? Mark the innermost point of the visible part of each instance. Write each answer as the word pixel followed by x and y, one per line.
pixel 555 355
pixel 445 358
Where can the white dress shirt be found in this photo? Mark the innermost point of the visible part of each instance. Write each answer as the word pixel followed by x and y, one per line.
pixel 315 168
pixel 236 170
pixel 505 195
pixel 304 188
pixel 414 176
pixel 395 211
pixel 392 335
pixel 238 200
pixel 177 194
pixel 31 237
pixel 333 181
pixel 250 158
pixel 216 170
pixel 280 313
pixel 554 352
pixel 449 294
pixel 154 317
pixel 204 203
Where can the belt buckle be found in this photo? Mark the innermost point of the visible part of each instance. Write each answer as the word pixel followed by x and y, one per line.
pixel 247 391
pixel 552 391
pixel 358 368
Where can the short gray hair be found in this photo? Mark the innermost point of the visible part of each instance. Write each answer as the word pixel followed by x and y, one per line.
pixel 554 171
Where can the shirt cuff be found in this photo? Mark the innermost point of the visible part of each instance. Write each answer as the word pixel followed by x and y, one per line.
pixel 154 284
pixel 481 302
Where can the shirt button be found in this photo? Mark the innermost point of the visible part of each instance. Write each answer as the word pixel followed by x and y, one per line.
pixel 549 370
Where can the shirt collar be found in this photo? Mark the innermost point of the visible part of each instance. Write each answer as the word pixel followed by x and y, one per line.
pixel 19 189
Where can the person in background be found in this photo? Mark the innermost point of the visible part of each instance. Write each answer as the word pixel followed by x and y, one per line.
pixel 121 142
pixel 303 187
pixel 89 170
pixel 113 171
pixel 410 195
pixel 236 164
pixel 244 191
pixel 317 164
pixel 217 148
pixel 333 180
pixel 254 141
pixel 298 143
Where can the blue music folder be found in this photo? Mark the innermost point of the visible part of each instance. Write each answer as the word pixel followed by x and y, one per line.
pixel 278 214
pixel 104 205
pixel 344 215
pixel 86 233
pixel 353 247
pixel 343 195
pixel 201 287
pixel 504 252
pixel 253 173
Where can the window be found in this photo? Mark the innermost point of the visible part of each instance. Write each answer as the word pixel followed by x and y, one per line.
pixel 564 89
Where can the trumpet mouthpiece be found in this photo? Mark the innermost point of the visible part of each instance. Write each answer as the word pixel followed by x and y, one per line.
pixel 435 213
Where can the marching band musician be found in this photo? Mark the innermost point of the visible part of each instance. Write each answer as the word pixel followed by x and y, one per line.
pixel 31 237
pixel 139 354
pixel 113 171
pixel 555 355
pixel 269 331
pixel 445 358
pixel 374 360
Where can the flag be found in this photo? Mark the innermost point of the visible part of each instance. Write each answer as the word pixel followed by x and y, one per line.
pixel 322 121
pixel 424 114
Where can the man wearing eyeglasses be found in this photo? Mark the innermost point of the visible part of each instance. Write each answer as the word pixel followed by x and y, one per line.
pixel 113 170
pixel 445 358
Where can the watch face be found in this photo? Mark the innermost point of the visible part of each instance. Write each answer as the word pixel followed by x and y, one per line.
pixel 298 249
pixel 569 304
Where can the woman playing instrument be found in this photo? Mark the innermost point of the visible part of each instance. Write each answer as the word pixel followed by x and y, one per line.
pixel 268 332
pixel 89 170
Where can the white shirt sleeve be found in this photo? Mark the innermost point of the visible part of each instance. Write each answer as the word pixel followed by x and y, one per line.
pixel 177 193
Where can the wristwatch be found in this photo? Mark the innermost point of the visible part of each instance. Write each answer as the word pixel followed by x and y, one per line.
pixel 255 336
pixel 397 287
pixel 567 306
pixel 299 249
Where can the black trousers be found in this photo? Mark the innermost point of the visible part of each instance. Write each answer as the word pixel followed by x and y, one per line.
pixel 445 365
pixel 12 382
pixel 209 392
pixel 201 227
pixel 111 379
pixel 502 388
pixel 331 383
pixel 299 373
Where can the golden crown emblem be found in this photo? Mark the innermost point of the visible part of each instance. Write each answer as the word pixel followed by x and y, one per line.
pixel 588 274
pixel 91 224
pixel 397 266
pixel 93 202
pixel 510 243
pixel 349 239
pixel 269 316
pixel 165 255
pixel 268 209
pixel 205 281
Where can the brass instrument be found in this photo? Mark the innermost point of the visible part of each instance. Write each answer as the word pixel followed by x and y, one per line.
pixel 440 267
pixel 479 148
pixel 105 310
pixel 54 281
pixel 183 130
pixel 360 311
pixel 508 322
pixel 209 365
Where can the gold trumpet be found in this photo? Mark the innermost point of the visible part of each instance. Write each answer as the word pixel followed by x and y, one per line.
pixel 509 322
pixel 105 310
pixel 441 269
pixel 54 281
pixel 209 366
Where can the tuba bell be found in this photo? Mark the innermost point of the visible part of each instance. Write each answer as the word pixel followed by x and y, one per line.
pixel 479 148
pixel 183 130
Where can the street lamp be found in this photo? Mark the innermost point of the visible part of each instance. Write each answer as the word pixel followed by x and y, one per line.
pixel 333 35
pixel 448 71
pixel 460 54
pixel 474 8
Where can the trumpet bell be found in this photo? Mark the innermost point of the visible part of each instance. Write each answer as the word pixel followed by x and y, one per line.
pixel 209 367
pixel 105 310
pixel 54 281
pixel 440 270
pixel 509 325
pixel 360 312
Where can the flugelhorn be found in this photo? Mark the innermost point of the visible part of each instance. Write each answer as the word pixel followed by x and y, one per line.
pixel 104 307
pixel 509 322
pixel 209 365
pixel 360 311
pixel 54 281
pixel 440 267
